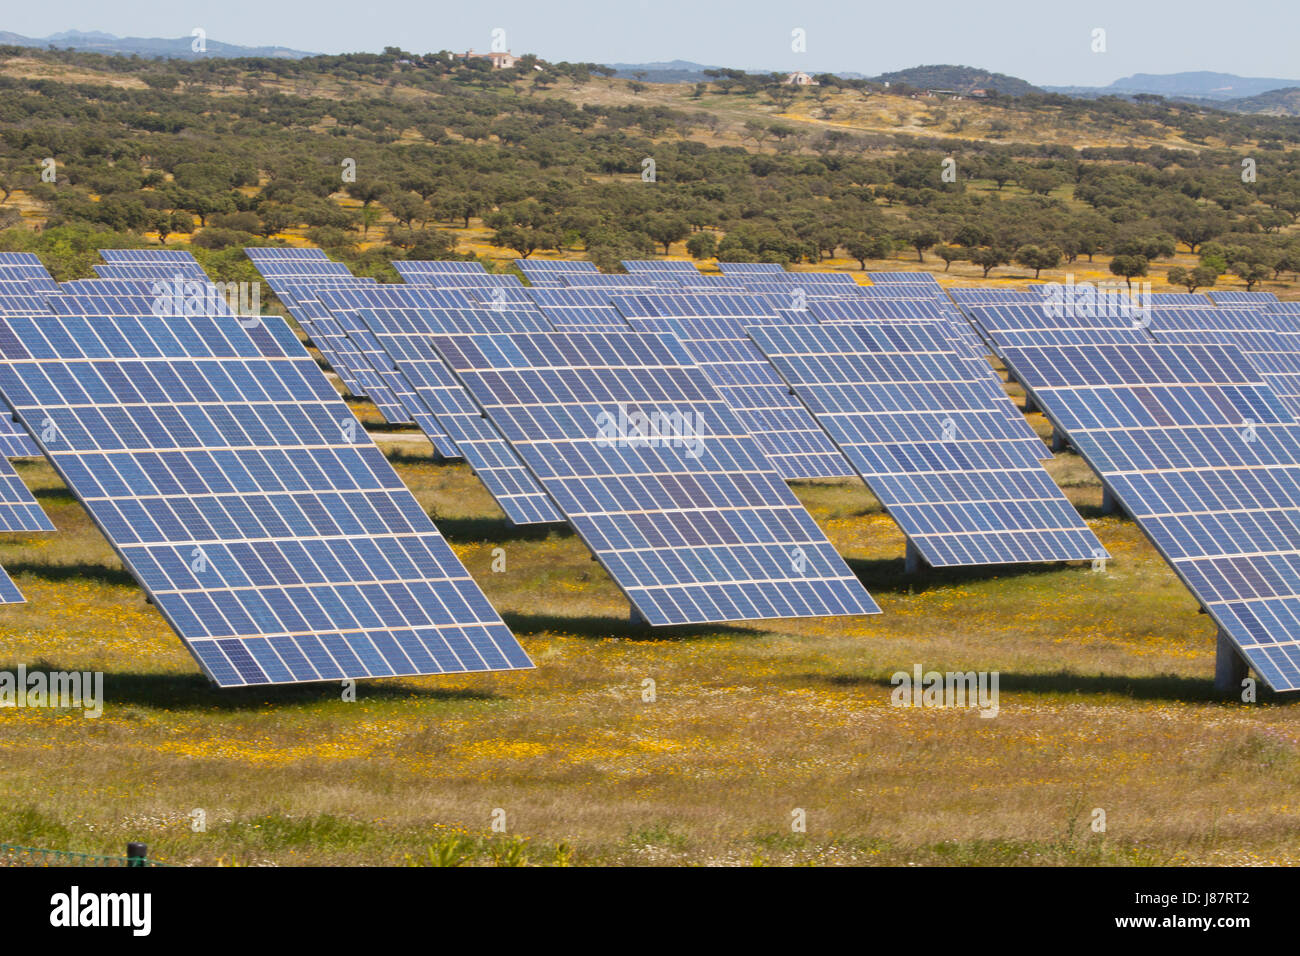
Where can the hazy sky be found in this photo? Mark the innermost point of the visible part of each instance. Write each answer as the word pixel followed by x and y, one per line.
pixel 1044 41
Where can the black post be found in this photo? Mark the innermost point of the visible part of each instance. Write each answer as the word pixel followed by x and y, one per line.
pixel 136 854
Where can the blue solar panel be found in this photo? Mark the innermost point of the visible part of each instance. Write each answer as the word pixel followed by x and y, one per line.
pixel 579 310
pixel 903 278
pixel 1269 352
pixel 18 512
pixel 548 272
pixel 343 304
pixel 1202 454
pixel 920 429
pixel 247 500
pixel 140 270
pixel 665 267
pixel 1233 298
pixel 408 268
pixel 404 333
pixel 682 509
pixel 879 311
pixel 148 256
pixel 745 270
pixel 26 265
pixel 712 330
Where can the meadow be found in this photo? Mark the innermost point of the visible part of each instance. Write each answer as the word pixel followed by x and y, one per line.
pixel 1105 703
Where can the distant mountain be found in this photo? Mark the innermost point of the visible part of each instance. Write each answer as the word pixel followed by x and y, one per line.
pixel 961 79
pixel 1200 84
pixel 180 48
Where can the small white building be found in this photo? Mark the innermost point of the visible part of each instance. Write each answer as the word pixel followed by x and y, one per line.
pixel 800 78
pixel 499 61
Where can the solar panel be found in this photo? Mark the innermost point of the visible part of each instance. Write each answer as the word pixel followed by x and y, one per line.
pixel 910 310
pixel 633 283
pixel 746 270
pixel 300 296
pixel 712 330
pixel 148 256
pixel 1231 298
pixel 489 282
pixel 579 310
pixel 695 528
pixel 404 333
pixel 920 430
pixel 19 512
pixel 1269 352
pixel 247 500
pixel 1180 298
pixel 26 265
pixel 548 272
pixel 1199 451
pixel 905 278
pixel 141 270
pixel 668 267
pixel 438 267
pixel 344 304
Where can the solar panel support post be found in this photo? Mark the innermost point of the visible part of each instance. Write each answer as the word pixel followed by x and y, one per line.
pixel 1058 441
pixel 912 560
pixel 1108 503
pixel 1230 668
pixel 636 618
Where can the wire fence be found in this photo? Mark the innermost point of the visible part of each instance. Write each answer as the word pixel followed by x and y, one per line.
pixel 11 855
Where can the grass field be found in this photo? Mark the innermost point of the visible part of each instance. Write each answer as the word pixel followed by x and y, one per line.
pixel 1106 702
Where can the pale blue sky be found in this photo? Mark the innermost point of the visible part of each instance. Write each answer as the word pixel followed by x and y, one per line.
pixel 1042 41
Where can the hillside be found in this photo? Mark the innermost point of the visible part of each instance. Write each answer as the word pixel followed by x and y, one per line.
pixel 962 79
pixel 453 158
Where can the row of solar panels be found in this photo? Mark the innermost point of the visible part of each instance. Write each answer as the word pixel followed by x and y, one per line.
pixel 692 521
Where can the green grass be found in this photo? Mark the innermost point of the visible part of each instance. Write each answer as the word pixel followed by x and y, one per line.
pixel 1106 702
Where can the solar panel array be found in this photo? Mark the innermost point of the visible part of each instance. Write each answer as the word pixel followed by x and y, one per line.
pixel 712 330
pixel 1196 447
pixel 26 266
pixel 921 431
pixel 247 500
pixel 405 334
pixel 682 509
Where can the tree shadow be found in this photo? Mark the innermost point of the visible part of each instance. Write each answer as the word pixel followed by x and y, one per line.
pixel 601 627
pixel 1163 687
pixel 190 692
pixel 888 575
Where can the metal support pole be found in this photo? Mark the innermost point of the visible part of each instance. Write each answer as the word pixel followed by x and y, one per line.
pixel 1108 503
pixel 1058 441
pixel 912 559
pixel 636 619
pixel 1230 668
pixel 136 854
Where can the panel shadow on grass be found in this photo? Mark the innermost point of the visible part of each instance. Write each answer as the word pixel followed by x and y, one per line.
pixel 1160 687
pixel 600 627
pixel 194 692
pixel 888 575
